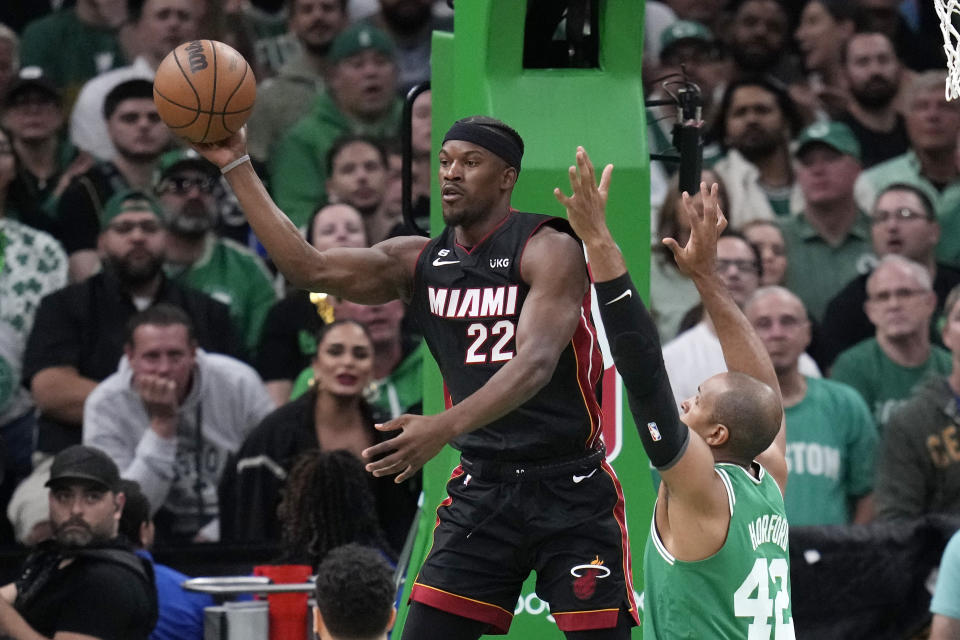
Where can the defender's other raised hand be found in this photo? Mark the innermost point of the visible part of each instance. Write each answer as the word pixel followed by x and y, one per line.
pixel 698 258
pixel 586 208
pixel 586 211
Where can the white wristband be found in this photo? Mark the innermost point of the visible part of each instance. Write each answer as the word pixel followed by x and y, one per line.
pixel 236 163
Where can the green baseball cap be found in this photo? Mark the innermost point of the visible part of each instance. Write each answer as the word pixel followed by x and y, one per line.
pixel 357 38
pixel 178 158
pixel 685 30
pixel 836 135
pixel 126 201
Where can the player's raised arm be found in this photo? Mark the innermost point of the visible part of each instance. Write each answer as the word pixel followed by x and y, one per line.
pixel 369 276
pixel 743 350
pixel 630 329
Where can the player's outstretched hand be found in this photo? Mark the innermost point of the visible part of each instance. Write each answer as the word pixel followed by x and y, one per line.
pixel 587 207
pixel 420 439
pixel 225 151
pixel 698 258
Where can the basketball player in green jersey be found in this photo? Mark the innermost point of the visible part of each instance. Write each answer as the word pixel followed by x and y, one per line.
pixel 717 560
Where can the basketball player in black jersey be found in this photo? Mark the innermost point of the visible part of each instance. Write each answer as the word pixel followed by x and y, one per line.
pixel 502 298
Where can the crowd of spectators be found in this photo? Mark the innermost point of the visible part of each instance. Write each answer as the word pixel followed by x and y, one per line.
pixel 139 315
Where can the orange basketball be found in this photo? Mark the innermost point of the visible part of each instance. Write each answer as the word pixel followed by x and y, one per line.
pixel 204 90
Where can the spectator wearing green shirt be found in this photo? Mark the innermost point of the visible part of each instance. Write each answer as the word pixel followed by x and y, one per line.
pixel 829 243
pixel 885 368
pixel 361 98
pixel 219 267
pixel 74 44
pixel 933 125
pixel 831 437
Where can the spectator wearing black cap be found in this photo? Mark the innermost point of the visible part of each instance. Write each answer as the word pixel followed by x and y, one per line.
pixel 86 582
pixel 361 98
pixel 189 191
pixel 140 137
pixel 78 332
pixel 46 162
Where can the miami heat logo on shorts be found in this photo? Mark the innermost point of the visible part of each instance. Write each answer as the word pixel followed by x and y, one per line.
pixel 586 576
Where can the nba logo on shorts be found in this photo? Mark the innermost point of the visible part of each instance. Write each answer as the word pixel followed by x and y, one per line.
pixel 654 431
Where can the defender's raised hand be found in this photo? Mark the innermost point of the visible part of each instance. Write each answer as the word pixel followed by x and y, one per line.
pixel 586 208
pixel 698 258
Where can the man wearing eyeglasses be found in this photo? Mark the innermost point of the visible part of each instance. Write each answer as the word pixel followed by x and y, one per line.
pixel 902 222
pixel 885 368
pixel 696 354
pixel 829 243
pixel 187 187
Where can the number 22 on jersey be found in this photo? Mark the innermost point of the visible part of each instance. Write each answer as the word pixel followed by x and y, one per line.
pixel 490 345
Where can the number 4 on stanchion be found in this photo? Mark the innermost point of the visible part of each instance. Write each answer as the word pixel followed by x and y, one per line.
pixel 760 607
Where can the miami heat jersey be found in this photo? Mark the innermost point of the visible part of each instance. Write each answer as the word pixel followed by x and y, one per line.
pixel 468 304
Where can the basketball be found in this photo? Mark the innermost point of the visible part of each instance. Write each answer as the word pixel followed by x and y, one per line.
pixel 204 90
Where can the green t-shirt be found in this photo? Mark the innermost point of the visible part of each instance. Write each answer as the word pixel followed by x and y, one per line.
pixel 883 383
pixel 741 591
pixel 69 51
pixel 833 267
pixel 394 395
pixel 234 275
pixel 831 443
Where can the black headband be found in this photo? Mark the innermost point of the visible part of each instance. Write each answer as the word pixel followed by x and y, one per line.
pixel 489 137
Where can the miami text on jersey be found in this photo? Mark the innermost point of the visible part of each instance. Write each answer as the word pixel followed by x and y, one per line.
pixel 486 302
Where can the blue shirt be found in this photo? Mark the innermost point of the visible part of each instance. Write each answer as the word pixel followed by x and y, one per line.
pixel 946 597
pixel 181 611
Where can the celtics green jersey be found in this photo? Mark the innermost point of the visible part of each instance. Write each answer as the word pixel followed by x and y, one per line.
pixel 743 590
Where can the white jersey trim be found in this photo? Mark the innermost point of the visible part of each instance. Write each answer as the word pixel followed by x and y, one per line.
pixel 731 498
pixel 657 542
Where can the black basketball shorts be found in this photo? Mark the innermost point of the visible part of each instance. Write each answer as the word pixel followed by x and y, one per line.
pixel 499 522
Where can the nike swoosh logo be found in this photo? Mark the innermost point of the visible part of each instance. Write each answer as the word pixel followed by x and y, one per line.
pixel 579 479
pixel 625 294
pixel 439 263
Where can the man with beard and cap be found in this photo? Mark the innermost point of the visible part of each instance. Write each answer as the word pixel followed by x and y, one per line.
pixel 756 121
pixel 86 582
pixel 285 98
pixel 78 332
pixel 523 400
pixel 873 73
pixel 195 256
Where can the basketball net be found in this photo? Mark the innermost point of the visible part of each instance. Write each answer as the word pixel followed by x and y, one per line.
pixel 947 9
